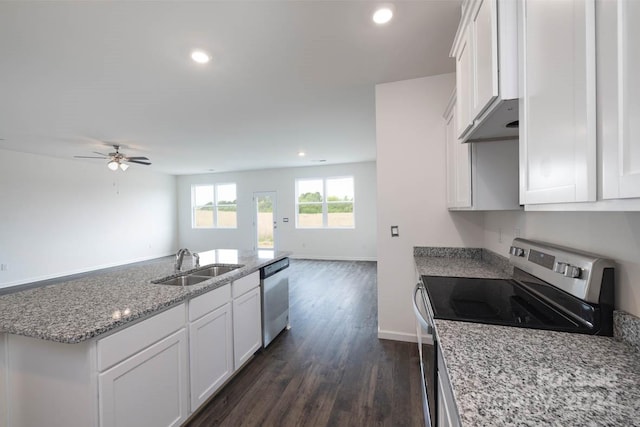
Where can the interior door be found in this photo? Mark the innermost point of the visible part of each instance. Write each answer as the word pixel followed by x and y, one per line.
pixel 265 220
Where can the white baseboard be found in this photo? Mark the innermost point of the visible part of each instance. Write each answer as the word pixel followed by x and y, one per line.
pixel 331 258
pixel 397 336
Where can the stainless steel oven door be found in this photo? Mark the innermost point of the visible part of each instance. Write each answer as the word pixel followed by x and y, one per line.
pixel 427 351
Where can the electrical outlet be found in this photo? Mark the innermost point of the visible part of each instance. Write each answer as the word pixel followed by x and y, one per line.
pixel 499 235
pixel 516 232
pixel 4 267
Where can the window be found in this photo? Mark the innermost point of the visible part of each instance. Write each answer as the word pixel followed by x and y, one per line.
pixel 214 206
pixel 325 203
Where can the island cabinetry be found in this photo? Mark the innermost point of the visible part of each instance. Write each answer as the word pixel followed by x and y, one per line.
pixel 148 385
pixel 210 343
pixel 247 318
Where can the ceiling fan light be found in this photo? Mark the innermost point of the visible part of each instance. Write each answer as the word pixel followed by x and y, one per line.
pixel 113 165
pixel 124 167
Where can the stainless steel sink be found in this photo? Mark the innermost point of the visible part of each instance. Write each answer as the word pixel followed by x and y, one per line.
pixel 183 280
pixel 198 276
pixel 215 270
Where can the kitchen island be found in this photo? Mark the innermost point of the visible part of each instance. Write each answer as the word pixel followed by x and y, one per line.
pixel 501 375
pixel 114 349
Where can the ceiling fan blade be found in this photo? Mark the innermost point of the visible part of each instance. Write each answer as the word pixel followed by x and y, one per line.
pixel 89 157
pixel 136 158
pixel 102 154
pixel 138 162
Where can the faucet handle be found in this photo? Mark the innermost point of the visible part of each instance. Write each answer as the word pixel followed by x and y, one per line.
pixel 197 258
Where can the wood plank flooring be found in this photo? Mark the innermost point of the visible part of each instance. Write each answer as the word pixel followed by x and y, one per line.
pixel 330 369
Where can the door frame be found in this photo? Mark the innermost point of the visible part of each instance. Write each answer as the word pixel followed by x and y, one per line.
pixel 274 197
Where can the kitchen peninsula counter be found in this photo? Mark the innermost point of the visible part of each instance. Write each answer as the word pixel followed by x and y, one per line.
pixel 84 308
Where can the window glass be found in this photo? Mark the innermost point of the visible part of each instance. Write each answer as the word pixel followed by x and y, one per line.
pixel 314 210
pixel 226 207
pixel 340 202
pixel 203 206
pixel 214 206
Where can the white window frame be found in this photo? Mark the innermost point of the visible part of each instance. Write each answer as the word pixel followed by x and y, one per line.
pixel 325 204
pixel 215 205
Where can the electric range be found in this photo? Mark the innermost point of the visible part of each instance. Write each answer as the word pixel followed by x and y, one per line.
pixel 553 288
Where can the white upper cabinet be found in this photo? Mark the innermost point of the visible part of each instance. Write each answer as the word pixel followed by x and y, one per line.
pixel 464 85
pixel 486 53
pixel 458 163
pixel 557 104
pixel 485 37
pixel 618 47
pixel 480 176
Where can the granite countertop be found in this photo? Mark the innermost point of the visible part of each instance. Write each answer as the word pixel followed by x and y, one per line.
pixel 81 309
pixel 502 375
pixel 461 262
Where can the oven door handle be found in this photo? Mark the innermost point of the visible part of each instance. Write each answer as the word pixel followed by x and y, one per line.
pixel 421 319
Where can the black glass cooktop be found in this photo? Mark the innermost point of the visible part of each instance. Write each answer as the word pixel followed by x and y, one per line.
pixel 494 301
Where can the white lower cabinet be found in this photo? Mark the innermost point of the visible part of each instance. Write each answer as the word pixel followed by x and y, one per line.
pixel 247 326
pixel 149 388
pixel 210 344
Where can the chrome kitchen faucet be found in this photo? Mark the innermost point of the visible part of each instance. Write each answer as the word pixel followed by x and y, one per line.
pixel 180 256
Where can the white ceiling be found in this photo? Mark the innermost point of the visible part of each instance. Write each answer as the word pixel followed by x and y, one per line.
pixel 285 76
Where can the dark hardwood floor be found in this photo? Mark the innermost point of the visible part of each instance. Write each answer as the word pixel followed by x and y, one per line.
pixel 330 369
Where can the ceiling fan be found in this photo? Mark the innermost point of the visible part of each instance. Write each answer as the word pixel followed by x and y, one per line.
pixel 117 159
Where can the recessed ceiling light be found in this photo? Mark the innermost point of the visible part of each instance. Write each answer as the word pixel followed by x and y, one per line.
pixel 382 15
pixel 200 56
pixel 301 154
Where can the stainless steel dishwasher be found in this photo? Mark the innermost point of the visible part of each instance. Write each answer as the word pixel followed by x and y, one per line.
pixel 274 282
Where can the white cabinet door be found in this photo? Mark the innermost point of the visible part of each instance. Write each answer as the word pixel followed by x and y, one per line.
pixel 450 132
pixel 557 104
pixel 464 85
pixel 458 165
pixel 149 388
pixel 247 326
pixel 619 97
pixel 210 353
pixel 484 24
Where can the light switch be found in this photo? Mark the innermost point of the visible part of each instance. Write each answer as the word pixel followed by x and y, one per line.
pixel 394 231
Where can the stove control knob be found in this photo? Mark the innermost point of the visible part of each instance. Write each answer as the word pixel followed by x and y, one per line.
pixel 573 272
pixel 516 251
pixel 560 267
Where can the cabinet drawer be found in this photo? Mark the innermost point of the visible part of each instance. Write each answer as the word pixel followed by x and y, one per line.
pixel 245 284
pixel 131 340
pixel 208 302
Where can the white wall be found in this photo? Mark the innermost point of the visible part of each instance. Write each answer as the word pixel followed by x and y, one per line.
pixel 612 234
pixel 60 216
pixel 344 244
pixel 412 193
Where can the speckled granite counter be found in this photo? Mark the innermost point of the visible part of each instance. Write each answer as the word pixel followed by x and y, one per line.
pixel 506 376
pixel 81 309
pixel 527 377
pixel 461 262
